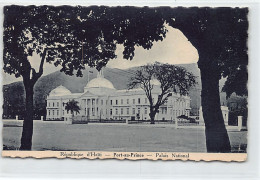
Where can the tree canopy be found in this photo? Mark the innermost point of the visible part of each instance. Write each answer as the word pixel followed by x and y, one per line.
pixel 77 36
pixel 72 106
pixel 171 79
pixel 73 37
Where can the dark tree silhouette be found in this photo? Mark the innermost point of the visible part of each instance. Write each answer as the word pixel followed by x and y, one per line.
pixel 72 106
pixel 70 37
pixel 75 36
pixel 220 36
pixel 171 78
pixel 53 34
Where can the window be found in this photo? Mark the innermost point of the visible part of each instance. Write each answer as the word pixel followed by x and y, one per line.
pixel 53 104
pixel 57 112
pixel 111 102
pixel 122 111
pixel 49 104
pixel 116 102
pixel 49 112
pixel 127 101
pixel 122 101
pixel 62 112
pixel 145 100
pixel 57 104
pixel 139 110
pixel 116 111
pixel 145 111
pixel 127 111
pixel 133 111
pixel 111 111
pixel 53 112
pixel 133 101
pixel 139 100
pixel 101 101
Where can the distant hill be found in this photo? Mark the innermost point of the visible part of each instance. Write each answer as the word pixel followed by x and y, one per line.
pixel 14 93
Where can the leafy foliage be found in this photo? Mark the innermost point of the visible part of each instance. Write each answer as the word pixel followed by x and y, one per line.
pixel 77 36
pixel 220 36
pixel 73 37
pixel 171 79
pixel 72 106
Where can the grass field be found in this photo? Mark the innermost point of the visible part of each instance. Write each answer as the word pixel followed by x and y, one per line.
pixel 112 137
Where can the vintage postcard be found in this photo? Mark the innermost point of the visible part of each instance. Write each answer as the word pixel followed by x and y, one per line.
pixel 125 82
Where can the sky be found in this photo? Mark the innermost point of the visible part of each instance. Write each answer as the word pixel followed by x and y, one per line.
pixel 174 49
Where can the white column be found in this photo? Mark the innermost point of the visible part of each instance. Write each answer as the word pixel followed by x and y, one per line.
pixel 16 118
pixel 41 118
pixel 90 109
pixel 239 123
pixel 86 106
pixel 95 108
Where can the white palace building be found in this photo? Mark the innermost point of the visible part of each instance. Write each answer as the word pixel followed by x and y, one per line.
pixel 100 100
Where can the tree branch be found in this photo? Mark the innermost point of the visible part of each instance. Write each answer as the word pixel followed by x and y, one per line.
pixel 36 76
pixel 42 61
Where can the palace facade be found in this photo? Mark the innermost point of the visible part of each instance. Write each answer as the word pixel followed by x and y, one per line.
pixel 100 100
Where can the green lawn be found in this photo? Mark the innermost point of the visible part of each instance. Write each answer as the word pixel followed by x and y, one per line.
pixel 112 137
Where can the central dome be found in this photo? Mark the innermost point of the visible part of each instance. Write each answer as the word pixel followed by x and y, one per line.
pixel 100 82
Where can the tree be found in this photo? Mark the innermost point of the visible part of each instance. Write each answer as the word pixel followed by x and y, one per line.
pixel 73 37
pixel 220 36
pixel 70 37
pixel 72 106
pixel 171 78
pixel 53 34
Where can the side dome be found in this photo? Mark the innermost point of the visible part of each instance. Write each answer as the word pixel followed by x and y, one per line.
pixel 60 91
pixel 100 82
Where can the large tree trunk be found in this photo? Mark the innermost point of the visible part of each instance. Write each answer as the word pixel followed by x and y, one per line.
pixel 217 139
pixel 152 115
pixel 26 140
pixel 152 119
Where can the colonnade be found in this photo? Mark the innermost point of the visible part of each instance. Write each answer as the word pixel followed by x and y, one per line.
pixel 91 105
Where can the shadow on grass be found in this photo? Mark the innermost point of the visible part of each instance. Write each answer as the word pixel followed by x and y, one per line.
pixel 8 125
pixel 8 148
pixel 241 148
